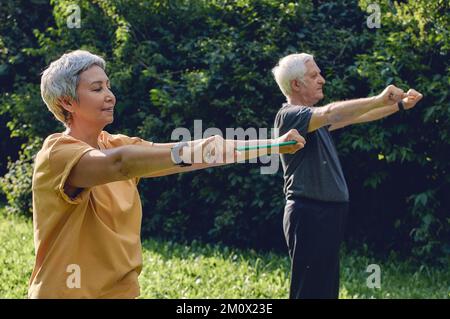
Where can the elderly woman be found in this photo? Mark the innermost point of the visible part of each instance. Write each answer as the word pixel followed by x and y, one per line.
pixel 86 207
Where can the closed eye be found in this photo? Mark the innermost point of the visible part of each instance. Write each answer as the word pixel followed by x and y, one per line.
pixel 99 89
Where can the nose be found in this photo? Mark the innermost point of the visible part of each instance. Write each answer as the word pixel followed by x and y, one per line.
pixel 110 96
pixel 322 80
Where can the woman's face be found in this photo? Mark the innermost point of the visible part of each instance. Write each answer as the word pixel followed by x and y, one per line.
pixel 95 105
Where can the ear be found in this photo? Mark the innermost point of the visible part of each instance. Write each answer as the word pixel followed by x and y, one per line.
pixel 295 85
pixel 67 103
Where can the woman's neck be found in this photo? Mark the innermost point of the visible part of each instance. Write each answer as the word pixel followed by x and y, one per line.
pixel 87 135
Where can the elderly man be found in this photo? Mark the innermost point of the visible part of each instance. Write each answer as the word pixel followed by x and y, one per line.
pixel 314 185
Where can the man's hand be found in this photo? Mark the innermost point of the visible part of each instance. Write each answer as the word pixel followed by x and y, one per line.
pixel 390 95
pixel 292 135
pixel 411 99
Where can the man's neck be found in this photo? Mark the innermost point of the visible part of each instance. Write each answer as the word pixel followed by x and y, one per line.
pixel 297 100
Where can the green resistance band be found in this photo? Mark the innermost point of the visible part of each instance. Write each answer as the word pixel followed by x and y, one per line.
pixel 257 147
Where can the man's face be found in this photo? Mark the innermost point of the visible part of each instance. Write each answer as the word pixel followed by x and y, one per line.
pixel 312 88
pixel 96 102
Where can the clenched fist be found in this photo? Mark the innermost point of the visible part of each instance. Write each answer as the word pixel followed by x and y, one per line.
pixel 411 99
pixel 218 150
pixel 390 95
pixel 292 135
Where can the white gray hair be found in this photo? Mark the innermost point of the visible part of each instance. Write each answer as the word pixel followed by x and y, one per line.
pixel 61 80
pixel 291 67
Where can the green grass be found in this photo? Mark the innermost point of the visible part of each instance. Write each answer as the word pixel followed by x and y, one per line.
pixel 197 270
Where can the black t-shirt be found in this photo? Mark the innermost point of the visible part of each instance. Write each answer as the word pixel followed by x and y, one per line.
pixel 314 171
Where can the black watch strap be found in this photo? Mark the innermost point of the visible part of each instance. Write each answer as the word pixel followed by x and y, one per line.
pixel 175 154
pixel 401 106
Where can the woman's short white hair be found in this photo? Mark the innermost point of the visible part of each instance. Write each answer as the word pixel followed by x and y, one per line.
pixel 61 79
pixel 291 67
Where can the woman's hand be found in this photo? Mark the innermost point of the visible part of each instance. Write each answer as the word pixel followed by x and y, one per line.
pixel 217 150
pixel 211 150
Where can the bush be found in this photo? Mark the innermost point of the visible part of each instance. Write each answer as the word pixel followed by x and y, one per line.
pixel 16 184
pixel 407 167
pixel 171 62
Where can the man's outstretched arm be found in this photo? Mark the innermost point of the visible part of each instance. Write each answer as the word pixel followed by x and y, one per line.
pixel 412 98
pixel 347 111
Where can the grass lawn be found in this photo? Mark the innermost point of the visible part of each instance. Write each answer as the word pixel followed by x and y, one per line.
pixel 197 270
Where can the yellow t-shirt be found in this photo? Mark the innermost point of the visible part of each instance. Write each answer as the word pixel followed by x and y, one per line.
pixel 88 246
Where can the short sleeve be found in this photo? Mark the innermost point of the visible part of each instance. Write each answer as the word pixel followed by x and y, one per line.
pixel 297 117
pixel 138 141
pixel 116 140
pixel 63 156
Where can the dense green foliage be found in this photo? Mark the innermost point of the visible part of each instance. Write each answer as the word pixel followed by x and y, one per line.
pixel 171 62
pixel 197 270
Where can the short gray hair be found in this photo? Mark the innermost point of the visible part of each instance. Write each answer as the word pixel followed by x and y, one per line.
pixel 291 67
pixel 61 79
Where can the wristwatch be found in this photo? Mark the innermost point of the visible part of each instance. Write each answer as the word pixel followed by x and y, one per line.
pixel 401 107
pixel 175 154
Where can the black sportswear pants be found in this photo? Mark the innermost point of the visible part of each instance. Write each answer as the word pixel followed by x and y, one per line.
pixel 314 231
